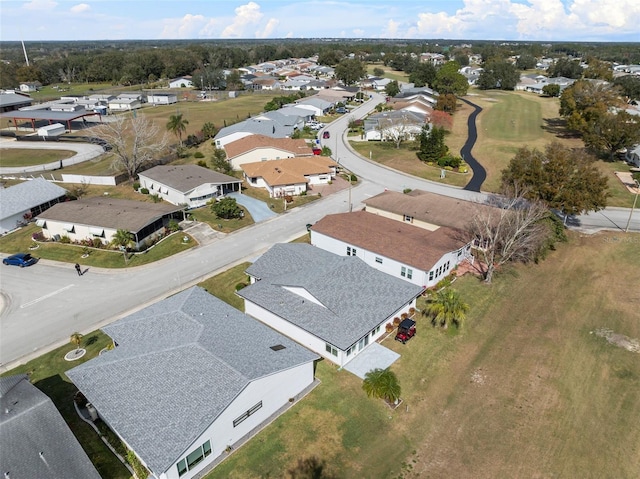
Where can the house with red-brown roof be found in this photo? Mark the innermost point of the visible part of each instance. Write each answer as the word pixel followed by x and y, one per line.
pixel 417 255
pixel 290 176
pixel 256 148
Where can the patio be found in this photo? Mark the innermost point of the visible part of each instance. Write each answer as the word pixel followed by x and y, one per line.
pixel 373 357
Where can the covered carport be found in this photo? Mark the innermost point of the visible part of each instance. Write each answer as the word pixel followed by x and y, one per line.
pixel 65 117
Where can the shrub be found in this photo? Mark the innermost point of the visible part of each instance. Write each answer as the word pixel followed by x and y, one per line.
pixel 452 161
pixel 65 239
pixel 303 193
pixel 39 236
pixel 239 286
pixel 388 327
pixel 448 168
pixel 96 243
pixel 407 190
pixel 198 154
pixel 396 321
pixel 156 198
pixel 136 185
pixel 202 163
pixel 173 226
pixel 144 191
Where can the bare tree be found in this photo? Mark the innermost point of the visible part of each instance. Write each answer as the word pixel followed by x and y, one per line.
pixel 512 229
pixel 134 141
pixel 397 130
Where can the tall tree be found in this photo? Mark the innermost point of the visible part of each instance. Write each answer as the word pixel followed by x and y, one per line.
pixel 383 384
pixel 122 238
pixel 584 101
pixel 449 80
pixel 227 208
pixel 563 179
pixel 446 307
pixel 565 67
pixel 134 141
pixel 177 125
pixel 424 74
pixel 350 71
pixel 511 230
pixel 612 131
pixel 499 74
pixel 432 146
pixel 526 62
pixel 392 88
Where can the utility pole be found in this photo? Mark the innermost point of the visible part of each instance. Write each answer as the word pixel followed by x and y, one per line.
pixel 626 230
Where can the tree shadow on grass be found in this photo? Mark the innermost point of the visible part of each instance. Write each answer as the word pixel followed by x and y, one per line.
pixel 558 127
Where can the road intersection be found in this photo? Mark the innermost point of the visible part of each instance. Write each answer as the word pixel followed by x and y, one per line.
pixel 43 305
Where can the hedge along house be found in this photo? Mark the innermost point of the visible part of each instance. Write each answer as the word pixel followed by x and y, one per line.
pixel 336 306
pixel 417 255
pixel 189 377
pixel 189 185
pixel 98 217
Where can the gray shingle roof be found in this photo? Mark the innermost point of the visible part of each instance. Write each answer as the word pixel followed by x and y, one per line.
pixel 24 196
pixel 185 178
pixel 179 363
pixel 354 297
pixel 32 426
pixel 266 127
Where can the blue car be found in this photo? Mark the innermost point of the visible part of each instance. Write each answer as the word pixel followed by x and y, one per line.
pixel 20 259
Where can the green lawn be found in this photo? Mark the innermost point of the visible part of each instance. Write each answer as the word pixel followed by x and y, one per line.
pixel 20 241
pixel 205 215
pixel 13 157
pixel 223 285
pixel 47 374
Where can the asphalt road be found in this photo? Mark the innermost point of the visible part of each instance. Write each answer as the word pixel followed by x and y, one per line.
pixel 84 152
pixel 47 302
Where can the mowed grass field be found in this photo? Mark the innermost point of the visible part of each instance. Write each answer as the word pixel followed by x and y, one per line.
pixel 16 157
pixel 526 389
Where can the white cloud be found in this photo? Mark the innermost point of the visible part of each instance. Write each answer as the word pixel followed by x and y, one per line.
pixel 185 27
pixel 358 32
pixel 248 14
pixel 289 35
pixel 267 31
pixel 80 8
pixel 40 5
pixel 392 29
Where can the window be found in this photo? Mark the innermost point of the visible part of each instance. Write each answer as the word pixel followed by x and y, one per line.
pixel 351 251
pixel 194 458
pixel 330 349
pixel 182 467
pixel 245 415
pixel 430 275
pixel 403 272
pixel 378 260
pixel 409 273
pixel 408 219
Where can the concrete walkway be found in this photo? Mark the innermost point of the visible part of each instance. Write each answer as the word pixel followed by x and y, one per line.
pixel 479 173
pixel 84 152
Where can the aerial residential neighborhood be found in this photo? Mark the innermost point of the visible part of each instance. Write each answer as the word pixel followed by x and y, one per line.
pixel 338 254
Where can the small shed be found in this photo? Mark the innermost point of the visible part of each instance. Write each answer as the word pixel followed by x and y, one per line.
pixel 55 129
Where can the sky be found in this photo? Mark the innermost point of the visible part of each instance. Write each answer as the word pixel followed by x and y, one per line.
pixel 508 20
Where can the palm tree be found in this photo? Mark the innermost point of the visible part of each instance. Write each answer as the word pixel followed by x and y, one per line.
pixel 123 239
pixel 447 307
pixel 177 125
pixel 76 338
pixel 382 383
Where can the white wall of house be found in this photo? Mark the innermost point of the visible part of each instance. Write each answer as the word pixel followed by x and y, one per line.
pixel 274 391
pixel 406 219
pixel 284 190
pixel 162 99
pixel 321 179
pixel 12 222
pixel 238 135
pixel 118 105
pixel 77 232
pixel 181 83
pixel 391 266
pixel 260 154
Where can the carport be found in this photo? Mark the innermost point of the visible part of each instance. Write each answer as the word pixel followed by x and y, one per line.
pixel 373 357
pixel 65 117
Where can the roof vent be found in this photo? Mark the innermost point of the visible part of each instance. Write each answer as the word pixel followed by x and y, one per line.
pixel 278 347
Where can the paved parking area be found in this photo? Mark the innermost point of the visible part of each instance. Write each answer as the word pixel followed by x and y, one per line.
pixel 373 357
pixel 258 210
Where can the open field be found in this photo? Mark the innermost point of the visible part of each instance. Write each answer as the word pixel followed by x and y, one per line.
pixel 388 72
pixel 13 157
pixel 524 390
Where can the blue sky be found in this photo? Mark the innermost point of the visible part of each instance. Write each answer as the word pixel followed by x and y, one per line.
pixel 543 20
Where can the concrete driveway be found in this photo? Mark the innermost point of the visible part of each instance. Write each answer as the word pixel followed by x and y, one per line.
pixel 258 210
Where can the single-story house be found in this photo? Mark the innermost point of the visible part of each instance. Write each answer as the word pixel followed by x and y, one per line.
pixel 388 125
pixel 162 98
pixel 289 176
pixel 414 254
pixel 260 125
pixel 55 129
pixel 316 105
pixel 423 209
pixel 189 185
pixel 189 378
pixel 334 305
pixel 29 87
pixel 124 104
pixel 100 217
pixel 633 156
pixel 181 82
pixel 35 441
pixel 24 201
pixel 255 148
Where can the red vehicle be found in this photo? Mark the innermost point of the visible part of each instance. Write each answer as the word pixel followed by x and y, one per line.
pixel 326 135
pixel 406 330
pixel 317 151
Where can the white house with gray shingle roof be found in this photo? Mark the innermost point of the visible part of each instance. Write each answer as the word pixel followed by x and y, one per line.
pixel 21 202
pixel 190 376
pixel 189 185
pixel 35 441
pixel 335 306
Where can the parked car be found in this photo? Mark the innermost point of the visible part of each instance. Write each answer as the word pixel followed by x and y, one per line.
pixel 342 110
pixel 406 330
pixel 20 259
pixel 326 135
pixel 316 151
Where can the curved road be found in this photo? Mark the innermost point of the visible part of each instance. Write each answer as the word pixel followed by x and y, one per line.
pixel 479 173
pixel 47 302
pixel 84 152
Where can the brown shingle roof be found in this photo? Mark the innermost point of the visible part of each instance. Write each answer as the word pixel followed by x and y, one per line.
pixel 402 242
pixel 297 147
pixel 109 213
pixel 289 170
pixel 428 207
pixel 185 178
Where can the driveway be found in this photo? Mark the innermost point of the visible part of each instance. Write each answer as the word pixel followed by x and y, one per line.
pixel 258 210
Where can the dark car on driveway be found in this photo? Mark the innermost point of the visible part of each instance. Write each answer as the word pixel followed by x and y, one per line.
pixel 20 259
